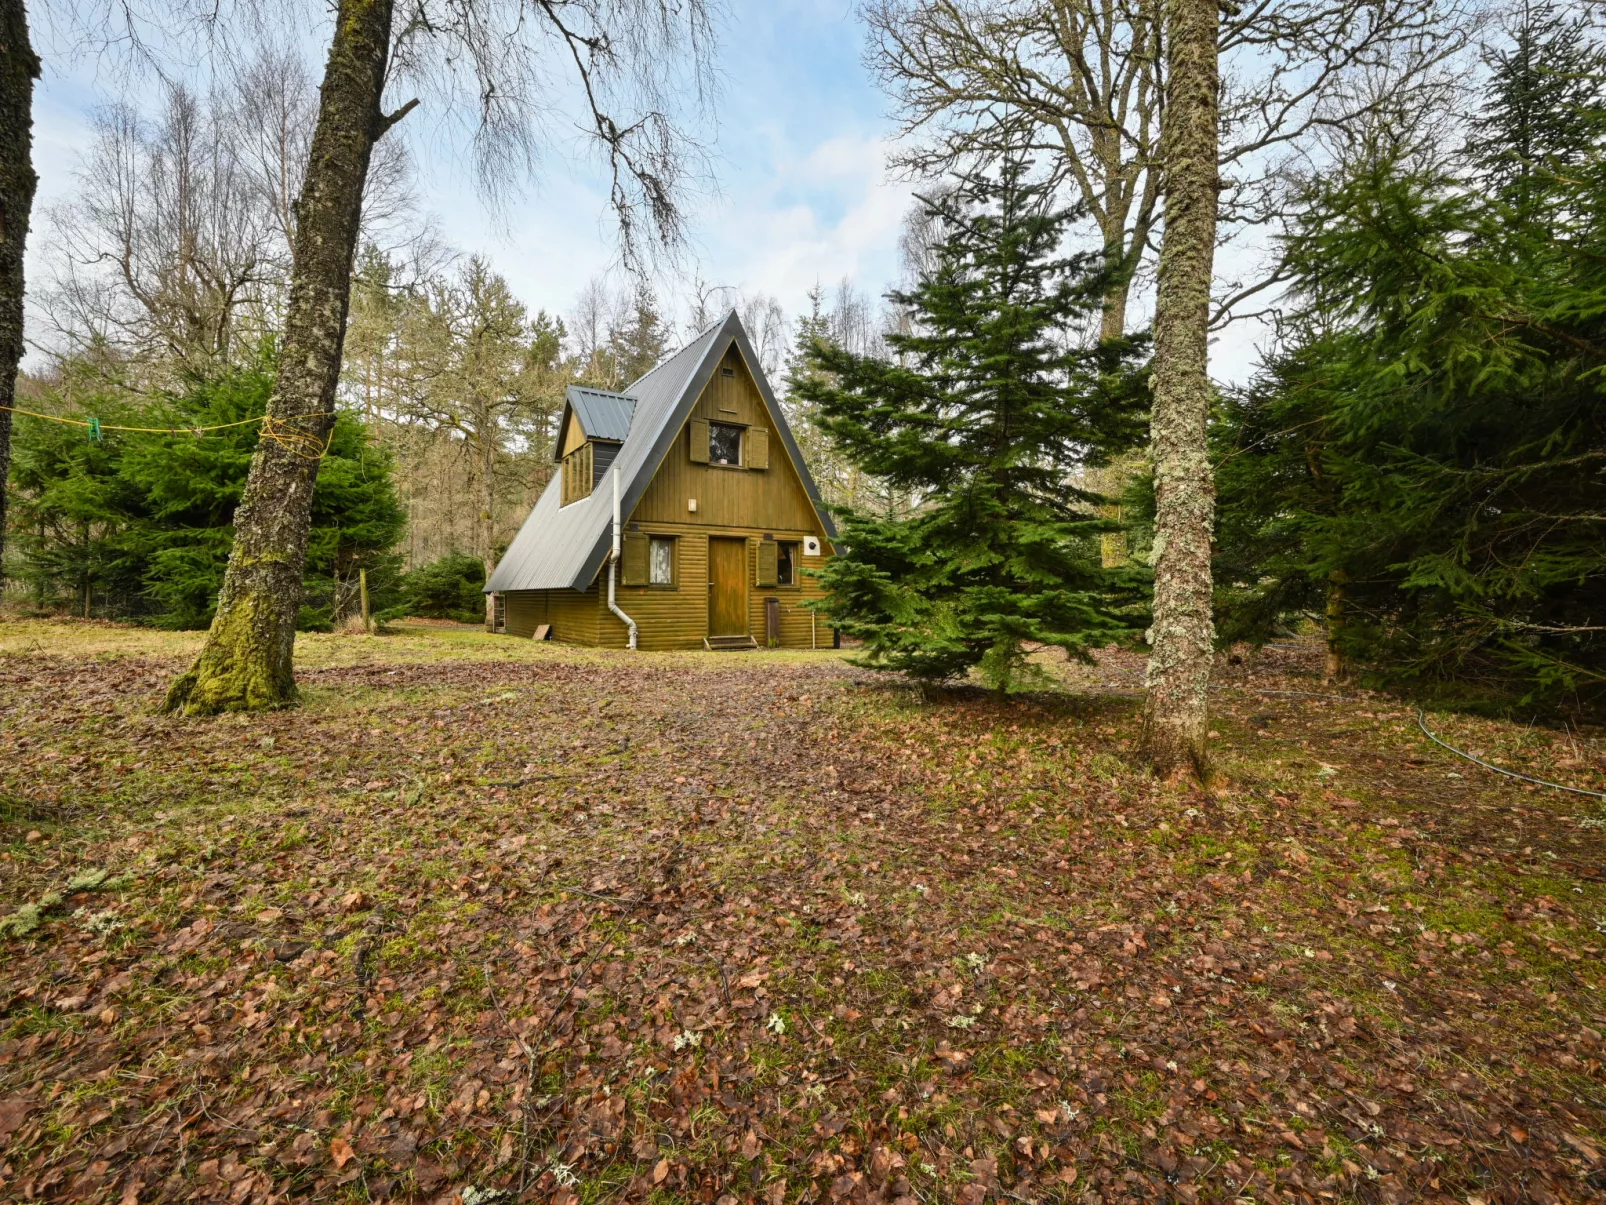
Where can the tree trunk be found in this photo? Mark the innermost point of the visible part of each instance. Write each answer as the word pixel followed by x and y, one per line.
pixel 1333 670
pixel 1175 718
pixel 246 663
pixel 1112 320
pixel 485 532
pixel 19 67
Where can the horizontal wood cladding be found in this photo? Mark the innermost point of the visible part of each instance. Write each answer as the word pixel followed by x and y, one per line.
pixel 765 499
pixel 667 617
pixel 677 618
pixel 573 615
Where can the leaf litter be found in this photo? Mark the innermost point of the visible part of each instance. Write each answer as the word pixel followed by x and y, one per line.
pixel 493 921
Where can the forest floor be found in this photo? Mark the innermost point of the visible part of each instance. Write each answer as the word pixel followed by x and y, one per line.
pixel 485 920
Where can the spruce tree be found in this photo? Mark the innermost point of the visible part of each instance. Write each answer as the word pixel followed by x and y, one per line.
pixel 1421 464
pixel 990 405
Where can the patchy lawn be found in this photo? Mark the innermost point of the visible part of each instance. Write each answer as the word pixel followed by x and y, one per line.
pixel 493 920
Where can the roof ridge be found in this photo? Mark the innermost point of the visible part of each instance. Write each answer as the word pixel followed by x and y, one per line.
pixel 711 328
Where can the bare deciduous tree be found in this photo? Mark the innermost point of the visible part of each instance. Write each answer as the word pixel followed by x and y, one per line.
pixel 1080 83
pixel 1077 83
pixel 175 251
pixel 629 59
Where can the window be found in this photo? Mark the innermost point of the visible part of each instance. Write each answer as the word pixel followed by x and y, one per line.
pixel 577 474
pixel 785 564
pixel 724 444
pixel 661 561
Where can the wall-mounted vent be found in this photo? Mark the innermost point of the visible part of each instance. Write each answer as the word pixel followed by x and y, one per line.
pixel 727 372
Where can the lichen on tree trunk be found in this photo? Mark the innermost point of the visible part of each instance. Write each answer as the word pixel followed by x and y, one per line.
pixel 246 663
pixel 19 67
pixel 1175 718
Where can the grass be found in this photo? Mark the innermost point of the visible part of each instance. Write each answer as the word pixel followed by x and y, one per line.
pixel 456 911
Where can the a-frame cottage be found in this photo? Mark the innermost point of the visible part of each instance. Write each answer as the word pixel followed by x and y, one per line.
pixel 687 495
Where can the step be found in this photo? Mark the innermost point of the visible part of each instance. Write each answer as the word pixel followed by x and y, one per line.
pixel 727 644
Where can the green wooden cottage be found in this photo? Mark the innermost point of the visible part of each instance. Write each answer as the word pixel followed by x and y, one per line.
pixel 686 498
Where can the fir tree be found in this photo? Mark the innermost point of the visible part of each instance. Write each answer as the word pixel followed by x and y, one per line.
pixel 995 397
pixel 638 345
pixel 141 524
pixel 1424 459
pixel 1542 116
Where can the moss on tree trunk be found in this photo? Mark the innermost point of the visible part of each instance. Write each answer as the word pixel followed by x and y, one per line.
pixel 1176 718
pixel 246 664
pixel 19 67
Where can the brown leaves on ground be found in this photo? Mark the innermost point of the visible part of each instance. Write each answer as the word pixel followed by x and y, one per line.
pixel 485 920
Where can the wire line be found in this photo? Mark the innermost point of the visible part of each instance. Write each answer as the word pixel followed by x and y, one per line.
pixel 1421 722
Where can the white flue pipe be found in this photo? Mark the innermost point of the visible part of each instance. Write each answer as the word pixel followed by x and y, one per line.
pixel 613 563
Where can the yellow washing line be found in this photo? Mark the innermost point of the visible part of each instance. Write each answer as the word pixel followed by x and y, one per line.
pixel 272 428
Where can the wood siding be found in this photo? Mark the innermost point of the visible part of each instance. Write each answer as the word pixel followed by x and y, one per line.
pixel 677 617
pixel 729 497
pixel 573 615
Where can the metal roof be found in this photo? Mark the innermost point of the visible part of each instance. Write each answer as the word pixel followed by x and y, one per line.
pixel 562 547
pixel 602 415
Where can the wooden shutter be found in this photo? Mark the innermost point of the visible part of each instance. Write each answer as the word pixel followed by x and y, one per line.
pixel 699 440
pixel 767 550
pixel 634 560
pixel 758 448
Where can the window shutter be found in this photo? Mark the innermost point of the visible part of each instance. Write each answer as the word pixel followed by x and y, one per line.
pixel 634 560
pixel 699 440
pixel 758 448
pixel 767 550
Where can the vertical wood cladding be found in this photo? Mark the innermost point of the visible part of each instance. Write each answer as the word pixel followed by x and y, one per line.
pixel 768 498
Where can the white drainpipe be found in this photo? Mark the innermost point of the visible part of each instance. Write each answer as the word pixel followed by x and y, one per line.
pixel 613 563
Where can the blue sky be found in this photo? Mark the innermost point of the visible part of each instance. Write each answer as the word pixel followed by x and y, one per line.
pixel 799 151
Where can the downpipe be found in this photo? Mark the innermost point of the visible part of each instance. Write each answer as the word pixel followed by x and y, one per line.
pixel 613 564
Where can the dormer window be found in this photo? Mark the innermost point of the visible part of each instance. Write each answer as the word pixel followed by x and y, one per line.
pixel 579 473
pixel 593 428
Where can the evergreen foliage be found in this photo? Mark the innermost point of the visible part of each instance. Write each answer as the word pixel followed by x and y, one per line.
pixel 449 587
pixel 986 409
pixel 141 524
pixel 1425 462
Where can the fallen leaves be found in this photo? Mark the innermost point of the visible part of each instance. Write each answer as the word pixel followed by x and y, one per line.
pixel 504 948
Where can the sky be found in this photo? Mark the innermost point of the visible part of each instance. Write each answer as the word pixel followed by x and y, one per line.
pixel 803 195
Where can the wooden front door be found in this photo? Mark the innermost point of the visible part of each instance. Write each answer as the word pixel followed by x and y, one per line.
pixel 727 587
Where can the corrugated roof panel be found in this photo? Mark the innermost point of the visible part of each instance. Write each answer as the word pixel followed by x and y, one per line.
pixel 602 415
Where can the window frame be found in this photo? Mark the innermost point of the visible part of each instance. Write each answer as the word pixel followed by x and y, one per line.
pixel 654 539
pixel 788 553
pixel 715 425
pixel 579 468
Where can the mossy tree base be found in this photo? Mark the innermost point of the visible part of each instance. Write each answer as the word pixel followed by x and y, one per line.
pixel 245 666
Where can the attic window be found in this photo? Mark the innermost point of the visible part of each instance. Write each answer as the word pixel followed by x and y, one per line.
pixel 724 444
